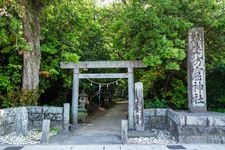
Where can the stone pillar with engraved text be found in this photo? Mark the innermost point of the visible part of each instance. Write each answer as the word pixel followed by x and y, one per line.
pixel 196 71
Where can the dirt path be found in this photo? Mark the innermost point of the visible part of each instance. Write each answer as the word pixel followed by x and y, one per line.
pixel 104 128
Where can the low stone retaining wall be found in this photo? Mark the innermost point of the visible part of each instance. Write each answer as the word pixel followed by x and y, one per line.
pixel 155 118
pixel 36 115
pixel 188 127
pixel 21 119
pixel 13 119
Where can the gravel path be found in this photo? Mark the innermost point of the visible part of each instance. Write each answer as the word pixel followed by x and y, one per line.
pixel 105 129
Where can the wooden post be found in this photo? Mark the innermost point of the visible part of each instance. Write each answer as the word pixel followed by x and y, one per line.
pixel 124 130
pixel 139 104
pixel 66 117
pixel 75 96
pixel 196 71
pixel 45 131
pixel 131 98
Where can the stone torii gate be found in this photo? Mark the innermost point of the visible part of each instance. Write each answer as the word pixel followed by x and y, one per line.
pixel 130 65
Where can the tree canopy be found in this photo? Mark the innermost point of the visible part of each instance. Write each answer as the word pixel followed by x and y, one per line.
pixel 154 31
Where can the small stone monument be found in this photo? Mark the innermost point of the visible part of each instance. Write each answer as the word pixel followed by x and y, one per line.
pixel 196 71
pixel 83 101
pixel 45 131
pixel 66 117
pixel 21 121
pixel 124 131
pixel 139 106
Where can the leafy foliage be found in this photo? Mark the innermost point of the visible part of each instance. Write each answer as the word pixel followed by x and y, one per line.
pixel 154 31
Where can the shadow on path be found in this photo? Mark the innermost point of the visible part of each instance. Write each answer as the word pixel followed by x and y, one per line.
pixel 103 129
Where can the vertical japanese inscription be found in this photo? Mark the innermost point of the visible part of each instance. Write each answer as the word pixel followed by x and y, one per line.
pixel 139 106
pixel 196 70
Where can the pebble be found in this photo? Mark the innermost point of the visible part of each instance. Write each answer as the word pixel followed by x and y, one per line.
pixel 160 137
pixel 33 137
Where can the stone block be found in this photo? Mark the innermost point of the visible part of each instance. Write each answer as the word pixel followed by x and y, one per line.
pixel 66 117
pixel 8 112
pixel 52 110
pixel 35 109
pixel 49 116
pixel 215 130
pixel 21 121
pixel 30 125
pixel 196 130
pixel 58 117
pixel 1 122
pixel 177 117
pixel 158 122
pixel 216 139
pixel 181 130
pixel 36 117
pixel 173 130
pixel 196 120
pixel 161 112
pixel 216 121
pixel 124 131
pixel 2 130
pixel 146 120
pixel 181 138
pixel 196 139
pixel 149 112
pixel 9 128
pixel 45 131
pixel 9 120
pixel 37 124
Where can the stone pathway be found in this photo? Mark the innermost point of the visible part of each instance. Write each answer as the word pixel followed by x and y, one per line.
pixel 103 128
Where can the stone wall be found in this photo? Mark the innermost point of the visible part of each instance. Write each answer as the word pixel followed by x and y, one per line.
pixel 21 119
pixel 36 114
pixel 155 118
pixel 13 120
pixel 197 127
pixel 186 127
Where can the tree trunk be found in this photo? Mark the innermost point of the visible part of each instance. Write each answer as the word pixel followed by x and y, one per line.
pixel 31 57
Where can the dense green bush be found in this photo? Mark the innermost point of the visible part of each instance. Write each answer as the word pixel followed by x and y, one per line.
pixel 152 31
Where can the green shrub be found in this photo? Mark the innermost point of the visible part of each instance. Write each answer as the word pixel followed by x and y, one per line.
pixel 20 97
pixel 177 95
pixel 155 103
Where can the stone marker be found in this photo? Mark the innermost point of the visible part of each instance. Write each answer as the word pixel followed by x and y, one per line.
pixel 45 131
pixel 21 121
pixel 124 130
pixel 66 117
pixel 196 71
pixel 139 104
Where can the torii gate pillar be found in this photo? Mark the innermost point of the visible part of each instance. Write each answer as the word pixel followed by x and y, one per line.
pixel 131 98
pixel 75 96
